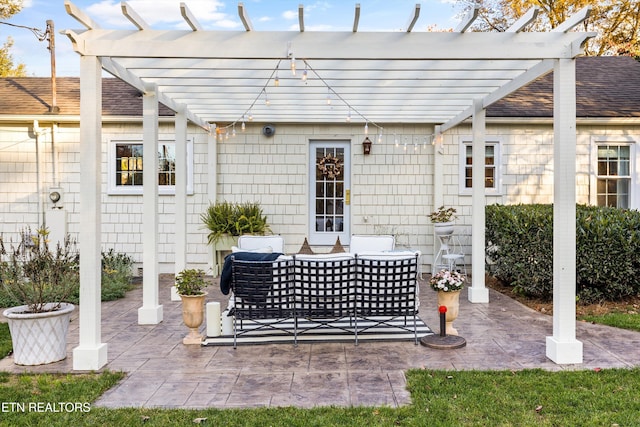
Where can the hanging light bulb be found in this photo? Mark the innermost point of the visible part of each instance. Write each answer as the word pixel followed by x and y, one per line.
pixel 276 81
pixel 415 146
pixel 366 128
pixel 293 65
pixel 424 143
pixel 395 140
pixel 304 73
pixel 233 131
pixel 328 96
pixel 405 146
pixel 380 137
pixel 243 126
pixel 266 98
pixel 250 116
pixel 348 119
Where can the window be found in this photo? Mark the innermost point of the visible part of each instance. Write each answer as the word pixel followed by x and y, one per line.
pixel 491 170
pixel 613 179
pixel 126 166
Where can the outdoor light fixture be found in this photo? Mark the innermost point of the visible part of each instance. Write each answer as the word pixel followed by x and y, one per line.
pixel 366 146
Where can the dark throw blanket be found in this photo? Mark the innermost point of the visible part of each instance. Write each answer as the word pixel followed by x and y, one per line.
pixel 225 277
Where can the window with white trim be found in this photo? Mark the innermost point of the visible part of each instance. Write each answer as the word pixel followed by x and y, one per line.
pixel 492 177
pixel 125 164
pixel 613 175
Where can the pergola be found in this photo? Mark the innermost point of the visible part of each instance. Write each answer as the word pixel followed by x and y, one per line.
pixel 220 79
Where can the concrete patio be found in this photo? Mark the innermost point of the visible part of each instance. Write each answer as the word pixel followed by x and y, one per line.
pixel 162 372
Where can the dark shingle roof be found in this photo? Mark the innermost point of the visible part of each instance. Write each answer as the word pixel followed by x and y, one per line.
pixel 32 95
pixel 607 86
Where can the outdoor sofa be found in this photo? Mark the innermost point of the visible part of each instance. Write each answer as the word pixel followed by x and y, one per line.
pixel 368 288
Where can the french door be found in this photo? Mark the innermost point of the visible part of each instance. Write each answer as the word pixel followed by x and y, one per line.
pixel 329 176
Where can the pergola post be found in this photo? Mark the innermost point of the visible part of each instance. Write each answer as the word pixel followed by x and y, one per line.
pixel 151 311
pixel 90 354
pixel 563 347
pixel 212 182
pixel 180 240
pixel 478 292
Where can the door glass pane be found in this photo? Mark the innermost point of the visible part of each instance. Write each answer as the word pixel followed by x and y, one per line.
pixel 329 185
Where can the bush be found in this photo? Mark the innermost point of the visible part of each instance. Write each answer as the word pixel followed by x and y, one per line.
pixel 116 275
pixel 116 279
pixel 519 250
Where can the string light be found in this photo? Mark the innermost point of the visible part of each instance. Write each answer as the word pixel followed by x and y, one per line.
pixel 395 139
pixel 233 132
pixel 247 115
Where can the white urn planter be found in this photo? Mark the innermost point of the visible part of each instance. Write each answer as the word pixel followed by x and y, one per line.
pixel 39 338
pixel 443 228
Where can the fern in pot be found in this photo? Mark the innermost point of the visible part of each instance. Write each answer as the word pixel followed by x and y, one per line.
pixel 40 280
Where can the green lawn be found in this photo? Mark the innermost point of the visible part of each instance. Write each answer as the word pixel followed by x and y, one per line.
pixel 606 397
pixel 440 398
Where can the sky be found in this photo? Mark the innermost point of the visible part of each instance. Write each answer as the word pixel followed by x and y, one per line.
pixel 265 15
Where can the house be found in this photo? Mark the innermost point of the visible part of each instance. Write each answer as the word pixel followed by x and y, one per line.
pixel 391 189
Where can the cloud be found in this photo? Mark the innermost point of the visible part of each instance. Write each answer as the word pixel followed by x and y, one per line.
pixel 162 14
pixel 290 14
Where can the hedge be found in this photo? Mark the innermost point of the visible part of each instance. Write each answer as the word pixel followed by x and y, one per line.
pixel 519 250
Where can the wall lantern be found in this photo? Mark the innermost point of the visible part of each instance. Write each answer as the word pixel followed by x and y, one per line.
pixel 366 146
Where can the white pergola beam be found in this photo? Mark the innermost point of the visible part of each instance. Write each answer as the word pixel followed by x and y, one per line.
pixel 80 16
pixel 125 75
pixel 189 17
pixel 413 18
pixel 133 17
pixel 301 17
pixel 574 20
pixel 524 21
pixel 356 18
pixel 327 45
pixel 467 20
pixel 244 17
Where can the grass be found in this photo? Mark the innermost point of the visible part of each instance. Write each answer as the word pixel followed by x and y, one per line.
pixel 5 340
pixel 440 398
pixel 626 320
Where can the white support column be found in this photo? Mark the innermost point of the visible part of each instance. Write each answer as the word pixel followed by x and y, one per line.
pixel 151 311
pixel 180 240
pixel 478 291
pixel 563 347
pixel 212 184
pixel 438 185
pixel 90 354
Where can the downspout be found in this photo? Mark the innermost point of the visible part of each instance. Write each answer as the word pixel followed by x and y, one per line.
pixel 36 133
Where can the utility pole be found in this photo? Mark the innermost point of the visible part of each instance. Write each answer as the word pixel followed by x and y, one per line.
pixel 50 35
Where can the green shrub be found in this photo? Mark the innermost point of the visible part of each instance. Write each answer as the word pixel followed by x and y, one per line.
pixel 116 275
pixel 116 279
pixel 519 250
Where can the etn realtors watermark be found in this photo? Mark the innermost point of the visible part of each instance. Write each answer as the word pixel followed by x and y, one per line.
pixel 51 407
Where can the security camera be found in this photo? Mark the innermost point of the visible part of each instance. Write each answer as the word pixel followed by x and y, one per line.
pixel 269 130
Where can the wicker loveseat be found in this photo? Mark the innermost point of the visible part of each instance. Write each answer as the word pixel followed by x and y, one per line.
pixel 369 288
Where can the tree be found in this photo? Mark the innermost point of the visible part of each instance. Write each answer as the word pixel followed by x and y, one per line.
pixel 9 8
pixel 617 22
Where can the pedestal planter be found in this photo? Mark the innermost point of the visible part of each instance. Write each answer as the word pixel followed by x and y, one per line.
pixel 193 316
pixel 443 228
pixel 39 338
pixel 451 300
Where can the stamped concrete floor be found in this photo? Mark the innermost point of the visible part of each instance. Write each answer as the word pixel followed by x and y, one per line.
pixel 162 372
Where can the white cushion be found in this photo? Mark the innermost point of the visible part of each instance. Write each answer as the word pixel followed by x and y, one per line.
pixel 249 242
pixel 325 257
pixel 362 243
pixel 265 250
pixel 382 255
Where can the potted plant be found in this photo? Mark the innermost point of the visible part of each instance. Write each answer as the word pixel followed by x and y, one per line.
pixel 226 221
pixel 190 286
pixel 448 284
pixel 442 220
pixel 40 280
